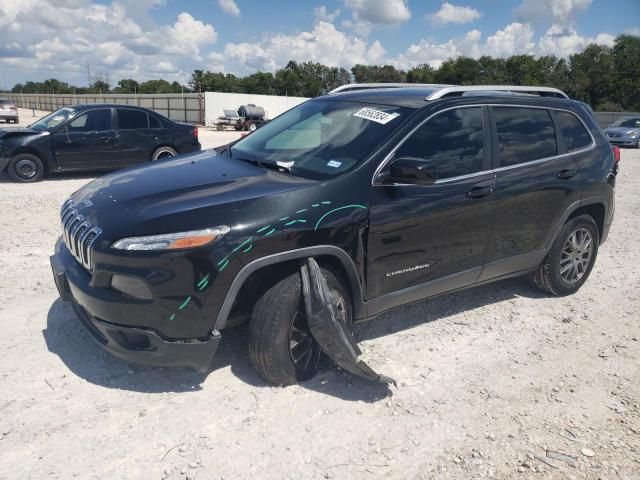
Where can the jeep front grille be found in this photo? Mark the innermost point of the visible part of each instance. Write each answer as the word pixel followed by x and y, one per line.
pixel 79 235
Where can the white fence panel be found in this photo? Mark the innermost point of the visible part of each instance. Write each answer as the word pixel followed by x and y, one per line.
pixel 273 105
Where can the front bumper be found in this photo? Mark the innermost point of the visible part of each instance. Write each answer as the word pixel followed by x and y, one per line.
pixel 8 116
pixel 623 141
pixel 134 344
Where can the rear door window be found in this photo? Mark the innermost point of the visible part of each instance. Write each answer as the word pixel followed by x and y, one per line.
pixel 524 135
pixel 92 121
pixel 573 131
pixel 453 140
pixel 132 119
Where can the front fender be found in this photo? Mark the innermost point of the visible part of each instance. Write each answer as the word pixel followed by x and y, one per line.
pixel 320 250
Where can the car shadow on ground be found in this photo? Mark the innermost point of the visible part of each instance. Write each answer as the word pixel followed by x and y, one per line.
pixel 66 337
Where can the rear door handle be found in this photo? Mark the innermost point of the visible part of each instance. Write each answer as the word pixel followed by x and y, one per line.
pixel 479 192
pixel 567 174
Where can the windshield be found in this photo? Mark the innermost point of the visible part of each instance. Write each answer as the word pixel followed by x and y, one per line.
pixel 321 139
pixel 54 119
pixel 627 122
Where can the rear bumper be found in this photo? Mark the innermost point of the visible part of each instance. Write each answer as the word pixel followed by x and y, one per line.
pixel 134 344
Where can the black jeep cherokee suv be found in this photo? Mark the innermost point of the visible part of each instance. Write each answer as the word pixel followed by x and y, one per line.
pixel 398 194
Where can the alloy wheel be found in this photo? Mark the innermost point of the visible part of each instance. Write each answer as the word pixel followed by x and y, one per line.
pixel 576 255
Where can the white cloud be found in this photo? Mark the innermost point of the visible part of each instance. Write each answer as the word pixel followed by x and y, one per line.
pixel 323 44
pixel 59 38
pixel 515 38
pixel 450 13
pixel 561 41
pixel 322 13
pixel 230 7
pixel 366 14
pixel 559 11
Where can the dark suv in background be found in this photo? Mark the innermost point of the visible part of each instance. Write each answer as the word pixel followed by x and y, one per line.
pixel 398 194
pixel 92 137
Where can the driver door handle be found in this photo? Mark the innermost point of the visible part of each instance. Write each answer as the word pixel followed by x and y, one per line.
pixel 106 139
pixel 567 174
pixel 479 192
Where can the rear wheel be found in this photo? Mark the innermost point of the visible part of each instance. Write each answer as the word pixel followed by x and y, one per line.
pixel 25 167
pixel 571 258
pixel 281 346
pixel 251 126
pixel 163 152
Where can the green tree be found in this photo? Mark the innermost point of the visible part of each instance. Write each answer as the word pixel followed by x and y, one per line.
pixel 626 60
pixel 421 74
pixel 127 85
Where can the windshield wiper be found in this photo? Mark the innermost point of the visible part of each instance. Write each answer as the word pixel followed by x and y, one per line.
pixel 279 166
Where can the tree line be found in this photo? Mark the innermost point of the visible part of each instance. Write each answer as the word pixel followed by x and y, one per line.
pixel 608 78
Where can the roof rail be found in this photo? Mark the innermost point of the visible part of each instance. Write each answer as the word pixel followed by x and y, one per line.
pixel 452 90
pixel 365 86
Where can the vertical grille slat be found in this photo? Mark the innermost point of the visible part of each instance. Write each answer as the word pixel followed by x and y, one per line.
pixel 79 234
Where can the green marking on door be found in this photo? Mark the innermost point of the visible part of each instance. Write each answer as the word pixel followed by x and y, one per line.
pixel 172 317
pixel 335 210
pixel 266 227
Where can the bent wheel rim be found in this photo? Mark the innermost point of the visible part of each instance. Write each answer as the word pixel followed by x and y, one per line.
pixel 304 350
pixel 576 256
pixel 26 168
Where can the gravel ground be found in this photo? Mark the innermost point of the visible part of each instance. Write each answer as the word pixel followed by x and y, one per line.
pixel 490 380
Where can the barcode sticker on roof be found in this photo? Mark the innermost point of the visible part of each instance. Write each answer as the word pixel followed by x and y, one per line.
pixel 375 115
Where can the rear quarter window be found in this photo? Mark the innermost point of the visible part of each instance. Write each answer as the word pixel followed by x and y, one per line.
pixel 573 131
pixel 524 135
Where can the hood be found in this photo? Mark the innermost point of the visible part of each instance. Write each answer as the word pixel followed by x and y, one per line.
pixel 186 192
pixel 19 132
pixel 621 130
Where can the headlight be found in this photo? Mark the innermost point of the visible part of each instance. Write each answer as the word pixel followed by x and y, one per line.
pixel 634 134
pixel 172 241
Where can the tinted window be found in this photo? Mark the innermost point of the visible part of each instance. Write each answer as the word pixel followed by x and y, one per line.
pixel 131 119
pixel 573 131
pixel 524 134
pixel 452 140
pixel 92 121
pixel 154 122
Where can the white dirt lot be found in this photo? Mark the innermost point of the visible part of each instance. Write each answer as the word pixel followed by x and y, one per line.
pixel 489 380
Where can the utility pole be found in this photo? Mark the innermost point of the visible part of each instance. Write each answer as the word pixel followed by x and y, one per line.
pixel 89 73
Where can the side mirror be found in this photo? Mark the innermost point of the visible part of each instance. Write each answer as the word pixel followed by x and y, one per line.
pixel 412 170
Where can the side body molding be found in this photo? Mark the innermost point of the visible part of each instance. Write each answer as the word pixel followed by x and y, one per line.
pixel 316 251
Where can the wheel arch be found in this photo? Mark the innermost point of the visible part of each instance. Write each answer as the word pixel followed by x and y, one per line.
pixel 596 207
pixel 328 256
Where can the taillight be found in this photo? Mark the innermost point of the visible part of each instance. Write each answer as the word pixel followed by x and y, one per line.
pixel 195 132
pixel 616 153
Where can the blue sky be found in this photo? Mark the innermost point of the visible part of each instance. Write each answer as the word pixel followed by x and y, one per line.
pixel 169 38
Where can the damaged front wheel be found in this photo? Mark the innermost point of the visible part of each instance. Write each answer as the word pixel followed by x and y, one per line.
pixel 281 345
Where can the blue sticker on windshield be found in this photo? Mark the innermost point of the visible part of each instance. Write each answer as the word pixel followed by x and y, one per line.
pixel 333 163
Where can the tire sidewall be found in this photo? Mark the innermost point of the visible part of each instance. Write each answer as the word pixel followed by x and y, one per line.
pixel 16 177
pixel 279 342
pixel 158 151
pixel 559 285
